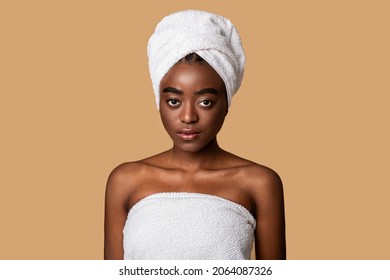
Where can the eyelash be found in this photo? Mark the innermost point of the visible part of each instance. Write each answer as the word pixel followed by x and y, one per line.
pixel 209 101
pixel 173 105
pixel 177 102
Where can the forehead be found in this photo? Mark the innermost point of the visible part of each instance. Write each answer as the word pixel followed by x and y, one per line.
pixel 194 74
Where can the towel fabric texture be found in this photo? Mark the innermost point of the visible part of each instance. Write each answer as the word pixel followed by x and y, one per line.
pixel 211 36
pixel 188 226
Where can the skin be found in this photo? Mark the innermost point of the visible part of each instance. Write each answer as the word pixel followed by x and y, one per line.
pixel 193 99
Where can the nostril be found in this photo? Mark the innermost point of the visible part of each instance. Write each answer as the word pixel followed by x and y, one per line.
pixel 188 115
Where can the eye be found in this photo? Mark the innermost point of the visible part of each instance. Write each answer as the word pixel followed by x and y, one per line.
pixel 205 103
pixel 173 102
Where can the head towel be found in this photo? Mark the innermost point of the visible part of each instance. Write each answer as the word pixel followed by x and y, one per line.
pixel 211 36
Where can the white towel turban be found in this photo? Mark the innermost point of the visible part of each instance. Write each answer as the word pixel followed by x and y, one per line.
pixel 211 36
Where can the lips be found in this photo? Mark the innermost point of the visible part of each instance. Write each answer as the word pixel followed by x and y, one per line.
pixel 188 134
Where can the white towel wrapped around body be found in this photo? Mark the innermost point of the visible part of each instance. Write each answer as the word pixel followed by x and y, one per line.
pixel 188 226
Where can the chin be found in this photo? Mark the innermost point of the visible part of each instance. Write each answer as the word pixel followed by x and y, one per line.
pixel 190 147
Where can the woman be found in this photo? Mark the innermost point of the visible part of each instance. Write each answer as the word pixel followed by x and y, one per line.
pixel 195 200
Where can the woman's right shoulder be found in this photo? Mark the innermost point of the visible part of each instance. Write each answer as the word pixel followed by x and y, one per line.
pixel 125 175
pixel 131 172
pixel 129 175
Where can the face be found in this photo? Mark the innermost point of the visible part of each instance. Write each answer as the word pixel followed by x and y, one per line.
pixel 193 105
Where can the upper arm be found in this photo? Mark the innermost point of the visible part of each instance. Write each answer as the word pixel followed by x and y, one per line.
pixel 270 239
pixel 115 214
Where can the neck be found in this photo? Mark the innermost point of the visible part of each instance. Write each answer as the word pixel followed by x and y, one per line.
pixel 193 161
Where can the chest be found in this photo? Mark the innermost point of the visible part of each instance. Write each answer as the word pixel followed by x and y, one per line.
pixel 228 185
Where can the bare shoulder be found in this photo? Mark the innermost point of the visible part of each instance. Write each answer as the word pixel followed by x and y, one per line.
pixel 263 179
pixel 265 188
pixel 123 186
pixel 256 177
pixel 121 182
pixel 127 178
pixel 266 191
pixel 262 185
pixel 124 179
pixel 124 173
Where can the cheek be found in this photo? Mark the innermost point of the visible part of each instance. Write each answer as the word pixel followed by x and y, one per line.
pixel 221 121
pixel 214 121
pixel 167 121
pixel 222 117
pixel 164 122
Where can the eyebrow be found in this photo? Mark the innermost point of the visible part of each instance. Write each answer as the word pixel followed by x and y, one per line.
pixel 202 91
pixel 172 89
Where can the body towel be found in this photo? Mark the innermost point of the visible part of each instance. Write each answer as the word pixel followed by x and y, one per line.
pixel 188 226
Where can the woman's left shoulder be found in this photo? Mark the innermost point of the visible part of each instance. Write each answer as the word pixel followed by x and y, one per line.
pixel 260 179
pixel 263 175
pixel 265 189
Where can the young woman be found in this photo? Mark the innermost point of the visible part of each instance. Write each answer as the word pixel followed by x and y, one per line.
pixel 195 200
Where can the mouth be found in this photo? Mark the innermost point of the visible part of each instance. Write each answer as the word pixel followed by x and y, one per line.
pixel 188 134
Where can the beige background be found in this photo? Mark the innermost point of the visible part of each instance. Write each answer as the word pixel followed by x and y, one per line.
pixel 76 101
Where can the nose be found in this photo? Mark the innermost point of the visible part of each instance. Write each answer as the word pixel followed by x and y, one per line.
pixel 188 113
